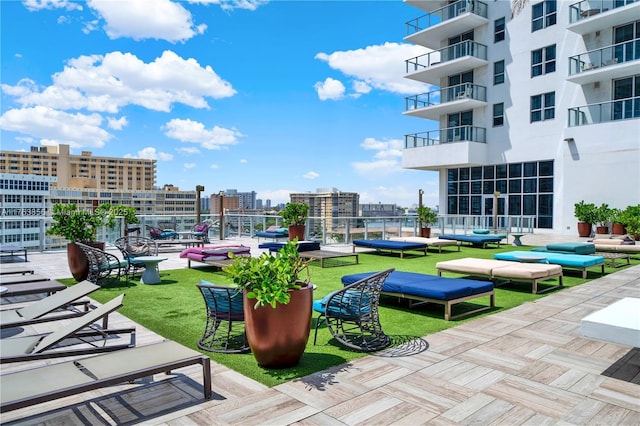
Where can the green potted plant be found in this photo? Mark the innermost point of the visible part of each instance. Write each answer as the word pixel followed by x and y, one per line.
pixel 277 304
pixel 76 225
pixel 426 217
pixel 602 219
pixel 617 227
pixel 110 212
pixel 586 215
pixel 630 218
pixel 295 217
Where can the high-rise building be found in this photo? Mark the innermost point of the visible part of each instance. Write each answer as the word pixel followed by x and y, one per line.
pixel 328 203
pixel 81 171
pixel 534 103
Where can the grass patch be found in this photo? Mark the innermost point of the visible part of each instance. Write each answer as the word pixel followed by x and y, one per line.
pixel 175 309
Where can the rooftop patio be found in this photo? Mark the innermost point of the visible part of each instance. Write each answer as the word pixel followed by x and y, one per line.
pixel 525 365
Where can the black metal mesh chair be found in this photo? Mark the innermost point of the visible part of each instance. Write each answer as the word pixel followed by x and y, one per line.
pixel 133 246
pixel 102 265
pixel 224 330
pixel 351 314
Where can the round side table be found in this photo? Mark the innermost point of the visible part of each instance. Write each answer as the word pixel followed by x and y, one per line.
pixel 151 275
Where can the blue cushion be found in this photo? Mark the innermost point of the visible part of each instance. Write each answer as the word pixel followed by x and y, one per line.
pixel 221 302
pixel 576 248
pixel 354 304
pixel 481 231
pixel 391 245
pixel 562 259
pixel 476 239
pixel 428 286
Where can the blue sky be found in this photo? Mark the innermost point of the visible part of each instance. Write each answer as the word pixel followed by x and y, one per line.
pixel 276 97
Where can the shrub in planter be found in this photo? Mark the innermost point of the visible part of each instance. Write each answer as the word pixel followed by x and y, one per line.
pixel 586 215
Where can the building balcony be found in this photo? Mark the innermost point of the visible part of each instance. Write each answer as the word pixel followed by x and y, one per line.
pixel 604 112
pixel 450 147
pixel 450 99
pixel 454 59
pixel 608 63
pixel 427 6
pixel 455 18
pixel 588 16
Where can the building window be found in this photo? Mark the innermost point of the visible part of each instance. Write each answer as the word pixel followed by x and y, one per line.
pixel 498 114
pixel 543 15
pixel 498 72
pixel 543 61
pixel 498 30
pixel 543 107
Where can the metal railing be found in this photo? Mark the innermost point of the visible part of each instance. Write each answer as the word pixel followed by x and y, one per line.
pixel 449 53
pixel 605 57
pixel 445 13
pixel 447 135
pixel 603 112
pixel 446 94
pixel 588 8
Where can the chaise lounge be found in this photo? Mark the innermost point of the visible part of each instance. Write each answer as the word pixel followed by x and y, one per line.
pixel 274 232
pixel 421 289
pixel 475 240
pixel 217 255
pixel 504 270
pixel 392 246
pixel 565 260
pixel 430 242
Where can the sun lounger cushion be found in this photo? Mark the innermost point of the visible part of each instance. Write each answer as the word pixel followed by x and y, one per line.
pixel 530 271
pixel 428 286
pixel 302 246
pixel 481 231
pixel 562 259
pixel 436 242
pixel 471 265
pixel 474 239
pixel 219 252
pixel 575 248
pixel 273 232
pixel 390 245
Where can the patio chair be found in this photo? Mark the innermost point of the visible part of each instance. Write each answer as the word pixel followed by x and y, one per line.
pixel 224 330
pixel 60 305
pixel 162 234
pixel 133 246
pixel 351 314
pixel 200 231
pixel 102 265
pixel 28 387
pixel 67 340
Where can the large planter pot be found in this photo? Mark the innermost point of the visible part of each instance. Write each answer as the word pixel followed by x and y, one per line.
pixel 618 229
pixel 278 337
pixel 78 263
pixel 602 230
pixel 584 229
pixel 425 232
pixel 296 231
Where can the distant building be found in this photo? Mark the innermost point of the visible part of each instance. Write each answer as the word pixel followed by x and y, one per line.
pixel 246 200
pixel 380 210
pixel 329 203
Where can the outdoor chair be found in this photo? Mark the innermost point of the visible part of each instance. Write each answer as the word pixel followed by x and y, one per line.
pixel 224 330
pixel 162 234
pixel 60 305
pixel 133 246
pixel 201 231
pixel 77 337
pixel 103 265
pixel 33 386
pixel 351 314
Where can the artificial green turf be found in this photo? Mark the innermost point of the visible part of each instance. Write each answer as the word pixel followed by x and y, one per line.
pixel 175 309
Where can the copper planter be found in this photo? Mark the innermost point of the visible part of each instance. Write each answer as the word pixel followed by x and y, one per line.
pixel 278 337
pixel 78 262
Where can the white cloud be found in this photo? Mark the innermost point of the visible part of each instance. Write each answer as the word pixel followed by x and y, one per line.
pixel 143 19
pixel 117 123
pixel 35 5
pixel 214 166
pixel 189 150
pixel 243 161
pixel 189 166
pixel 150 153
pixel 195 132
pixel 233 4
pixel 311 175
pixel 386 159
pixel 56 127
pixel 361 87
pixel 107 83
pixel 329 89
pixel 381 67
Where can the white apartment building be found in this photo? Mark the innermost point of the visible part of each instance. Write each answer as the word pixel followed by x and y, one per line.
pixel 536 102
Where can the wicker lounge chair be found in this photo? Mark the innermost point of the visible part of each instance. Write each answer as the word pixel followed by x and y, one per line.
pixel 29 348
pixel 133 246
pixel 102 265
pixel 34 386
pixel 51 308
pixel 162 234
pixel 351 314
pixel 224 330
pixel 200 231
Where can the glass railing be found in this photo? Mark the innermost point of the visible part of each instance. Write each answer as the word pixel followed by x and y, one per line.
pixel 339 230
pixel 607 56
pixel 445 13
pixel 449 53
pixel 448 135
pixel 447 94
pixel 620 109
pixel 587 8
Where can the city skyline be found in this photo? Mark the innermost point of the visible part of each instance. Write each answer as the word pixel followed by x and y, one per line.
pixel 275 97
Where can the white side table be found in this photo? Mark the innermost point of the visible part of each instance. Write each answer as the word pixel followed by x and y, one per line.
pixel 151 275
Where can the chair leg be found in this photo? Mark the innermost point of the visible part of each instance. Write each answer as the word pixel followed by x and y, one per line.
pixel 321 318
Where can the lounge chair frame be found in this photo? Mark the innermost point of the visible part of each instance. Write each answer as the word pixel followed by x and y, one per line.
pixel 132 246
pixel 224 329
pixel 103 265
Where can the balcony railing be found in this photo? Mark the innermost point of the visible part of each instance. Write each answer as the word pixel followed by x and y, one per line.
pixel 447 94
pixel 448 135
pixel 449 53
pixel 587 8
pixel 607 56
pixel 620 109
pixel 445 13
